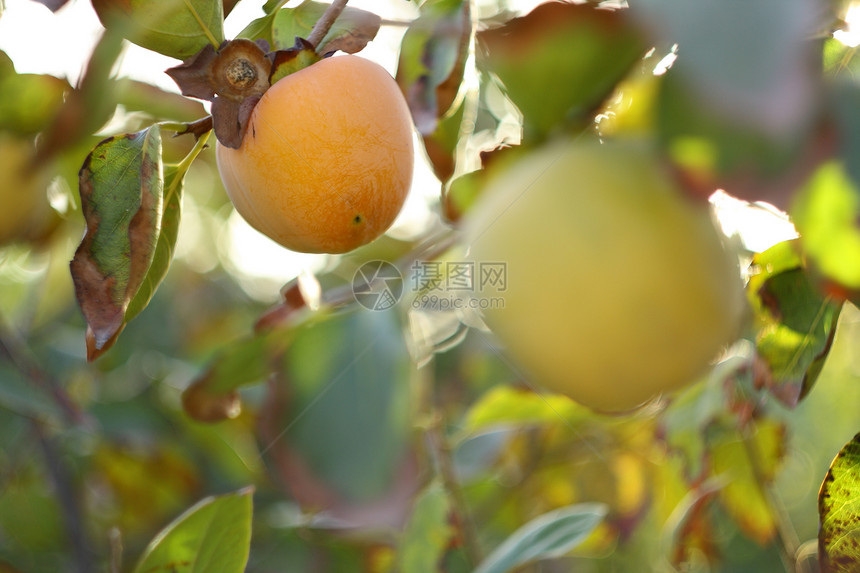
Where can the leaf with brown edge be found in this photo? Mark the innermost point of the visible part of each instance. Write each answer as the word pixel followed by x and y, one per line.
pixel 350 33
pixel 839 512
pixel 432 60
pixel 121 184
pixel 286 62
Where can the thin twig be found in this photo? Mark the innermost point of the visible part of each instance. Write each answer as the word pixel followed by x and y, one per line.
pixel 325 22
pixel 70 506
pixel 441 450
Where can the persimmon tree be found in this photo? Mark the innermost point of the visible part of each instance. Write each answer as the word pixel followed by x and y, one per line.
pixel 158 418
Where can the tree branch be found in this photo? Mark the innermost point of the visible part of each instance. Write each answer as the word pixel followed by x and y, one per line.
pixel 325 22
pixel 70 506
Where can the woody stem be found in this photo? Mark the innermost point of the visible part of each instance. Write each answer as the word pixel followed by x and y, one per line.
pixel 325 22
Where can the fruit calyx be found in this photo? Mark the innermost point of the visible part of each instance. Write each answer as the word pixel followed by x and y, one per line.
pixel 234 78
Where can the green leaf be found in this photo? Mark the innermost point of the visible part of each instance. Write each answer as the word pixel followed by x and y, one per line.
pixel 214 536
pixel 174 178
pixel 427 533
pixel 825 213
pixel 559 62
pixel 796 329
pixel 553 534
pixel 175 28
pixel 432 60
pixel 347 416
pixel 121 186
pixel 352 30
pixel 839 512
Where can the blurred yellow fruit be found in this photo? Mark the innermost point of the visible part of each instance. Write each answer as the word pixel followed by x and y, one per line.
pixel 618 287
pixel 326 162
pixel 25 213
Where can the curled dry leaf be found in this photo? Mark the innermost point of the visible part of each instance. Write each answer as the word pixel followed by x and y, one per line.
pixel 233 78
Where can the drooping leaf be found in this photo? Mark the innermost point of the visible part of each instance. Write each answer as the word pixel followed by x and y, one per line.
pixel 350 33
pixel 839 512
pixel 174 179
pixel 553 534
pixel 427 532
pixel 559 62
pixel 433 56
pixel 121 187
pixel 826 215
pixel 214 536
pixel 175 28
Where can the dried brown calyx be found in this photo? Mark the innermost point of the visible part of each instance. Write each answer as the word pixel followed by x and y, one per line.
pixel 233 78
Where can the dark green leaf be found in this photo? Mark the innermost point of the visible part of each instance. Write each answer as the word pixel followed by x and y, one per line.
pixel 553 534
pixel 796 323
pixel 427 533
pixel 347 416
pixel 560 62
pixel 349 33
pixel 214 536
pixel 839 511
pixel 433 57
pixel 175 28
pixel 121 186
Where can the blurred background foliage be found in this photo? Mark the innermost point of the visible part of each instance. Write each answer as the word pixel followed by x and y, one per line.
pixel 405 440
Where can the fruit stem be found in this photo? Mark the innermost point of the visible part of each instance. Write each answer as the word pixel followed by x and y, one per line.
pixel 325 22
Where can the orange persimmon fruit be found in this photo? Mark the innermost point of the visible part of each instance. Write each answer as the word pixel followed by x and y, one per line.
pixel 326 161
